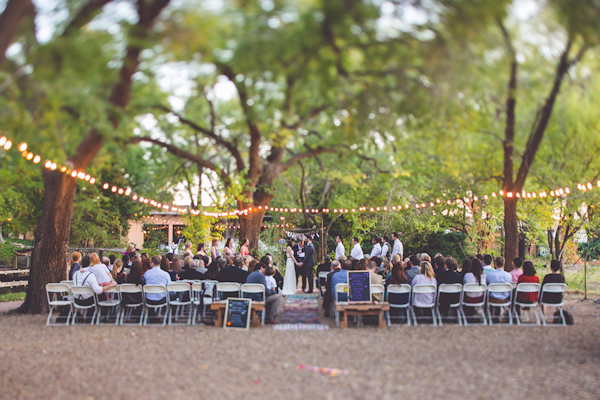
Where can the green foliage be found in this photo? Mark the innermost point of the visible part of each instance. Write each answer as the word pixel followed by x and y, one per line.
pixel 198 229
pixel 590 250
pixel 7 252
pixel 449 244
pixel 18 296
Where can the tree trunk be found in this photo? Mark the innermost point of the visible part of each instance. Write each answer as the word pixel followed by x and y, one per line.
pixel 10 22
pixel 511 228
pixel 49 258
pixel 1 238
pixel 250 226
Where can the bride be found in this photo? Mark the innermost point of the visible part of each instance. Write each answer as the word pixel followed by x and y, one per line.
pixel 290 281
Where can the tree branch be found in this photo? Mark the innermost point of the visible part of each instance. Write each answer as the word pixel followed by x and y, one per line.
pixel 255 167
pixel 538 130
pixel 210 134
pixel 85 15
pixel 184 154
pixel 310 153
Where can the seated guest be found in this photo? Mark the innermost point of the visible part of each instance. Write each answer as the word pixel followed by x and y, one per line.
pixel 487 264
pixel 327 296
pixel 175 268
pixel 75 263
pixel 165 265
pixel 135 276
pixel 425 257
pixel 385 269
pixel 473 273
pixel 126 260
pixel 375 278
pixel 439 267
pixel 117 272
pixel 85 277
pixel 414 268
pixel 449 276
pixel 516 271
pixel 426 276
pixel 192 272
pixel 498 275
pixel 146 265
pixel 528 276
pixel 465 267
pixel 156 276
pixel 341 277
pixel 99 270
pixel 273 299
pixel 397 277
pixel 361 265
pixel 270 278
pixel 553 277
pixel 232 273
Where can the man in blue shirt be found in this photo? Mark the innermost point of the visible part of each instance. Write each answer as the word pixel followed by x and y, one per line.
pixel 340 277
pixel 414 268
pixel 498 275
pixel 156 276
pixel 273 299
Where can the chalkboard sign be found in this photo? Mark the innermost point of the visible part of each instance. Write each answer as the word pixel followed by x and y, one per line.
pixel 359 286
pixel 237 313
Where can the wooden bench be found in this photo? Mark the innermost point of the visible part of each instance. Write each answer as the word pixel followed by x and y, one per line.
pixel 347 309
pixel 219 307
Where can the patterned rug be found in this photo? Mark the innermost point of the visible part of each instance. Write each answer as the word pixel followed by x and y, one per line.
pixel 300 309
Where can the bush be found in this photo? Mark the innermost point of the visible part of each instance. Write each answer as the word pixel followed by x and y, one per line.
pixel 7 253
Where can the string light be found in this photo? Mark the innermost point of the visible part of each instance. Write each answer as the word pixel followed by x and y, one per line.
pixel 6 144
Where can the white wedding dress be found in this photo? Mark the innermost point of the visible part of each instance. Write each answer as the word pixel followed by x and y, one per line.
pixel 290 282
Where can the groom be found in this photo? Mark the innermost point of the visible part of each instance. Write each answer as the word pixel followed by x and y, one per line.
pixel 307 265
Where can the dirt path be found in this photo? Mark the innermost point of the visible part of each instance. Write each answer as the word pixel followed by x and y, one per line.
pixel 450 362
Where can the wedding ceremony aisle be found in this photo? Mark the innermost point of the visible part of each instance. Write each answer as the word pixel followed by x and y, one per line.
pixel 300 312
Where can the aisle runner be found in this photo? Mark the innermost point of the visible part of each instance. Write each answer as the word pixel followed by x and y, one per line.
pixel 300 313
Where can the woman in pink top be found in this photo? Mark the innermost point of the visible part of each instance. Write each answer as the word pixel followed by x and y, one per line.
pixel 244 250
pixel 517 270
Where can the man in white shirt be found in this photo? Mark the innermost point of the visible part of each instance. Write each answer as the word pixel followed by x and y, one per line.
pixel 356 252
pixel 376 252
pixel 339 248
pixel 385 247
pixel 398 248
pixel 487 264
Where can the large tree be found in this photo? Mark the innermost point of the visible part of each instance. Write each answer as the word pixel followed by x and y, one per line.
pixel 308 81
pixel 52 231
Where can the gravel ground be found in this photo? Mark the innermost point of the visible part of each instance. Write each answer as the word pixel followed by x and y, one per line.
pixel 447 362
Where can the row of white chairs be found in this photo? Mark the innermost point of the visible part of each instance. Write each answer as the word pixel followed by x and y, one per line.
pixel 182 299
pixel 463 297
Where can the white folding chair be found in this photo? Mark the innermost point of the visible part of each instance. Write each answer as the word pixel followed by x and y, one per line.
pixel 113 305
pixel 553 288
pixel 322 279
pixel 155 289
pixel 446 290
pixel 526 287
pixel 378 288
pixel 339 288
pixel 507 305
pixel 248 289
pixel 69 283
pixel 395 291
pixel 197 293
pixel 129 303
pixel 183 300
pixel 424 289
pixel 58 295
pixel 77 292
pixel 232 288
pixel 475 290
